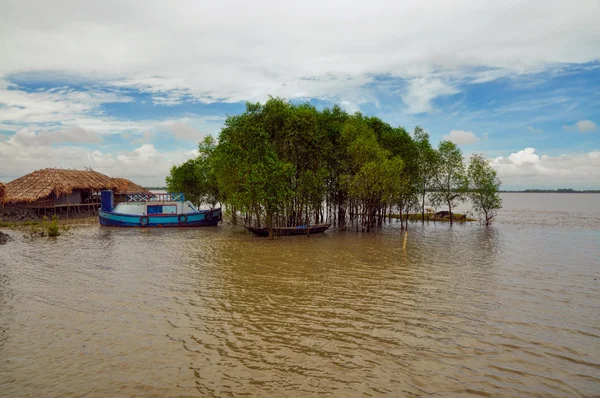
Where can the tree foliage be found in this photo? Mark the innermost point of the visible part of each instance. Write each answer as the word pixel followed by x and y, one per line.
pixel 483 188
pixel 450 186
pixel 286 164
pixel 196 177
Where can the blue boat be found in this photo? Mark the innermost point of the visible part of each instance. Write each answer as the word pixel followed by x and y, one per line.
pixel 155 210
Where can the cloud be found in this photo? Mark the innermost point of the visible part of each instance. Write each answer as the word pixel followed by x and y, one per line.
pixel 527 168
pixel 59 105
pixel 143 139
pixel 73 134
pixel 246 53
pixel 582 126
pixel 184 131
pixel 461 137
pixel 25 151
pixel 420 92
pixel 65 114
pixel 532 129
pixel 228 52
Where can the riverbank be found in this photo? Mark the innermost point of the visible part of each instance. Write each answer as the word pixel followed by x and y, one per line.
pixel 16 216
pixel 81 220
pixel 456 217
pixel 92 219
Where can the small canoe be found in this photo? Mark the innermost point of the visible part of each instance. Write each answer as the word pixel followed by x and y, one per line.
pixel 287 231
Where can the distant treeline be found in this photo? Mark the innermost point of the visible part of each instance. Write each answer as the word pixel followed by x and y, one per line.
pixel 285 164
pixel 561 190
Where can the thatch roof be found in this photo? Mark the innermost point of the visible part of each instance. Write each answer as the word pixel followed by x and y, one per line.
pixel 2 190
pixel 42 183
pixel 124 186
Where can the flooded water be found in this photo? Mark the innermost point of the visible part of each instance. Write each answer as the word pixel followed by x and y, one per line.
pixel 512 310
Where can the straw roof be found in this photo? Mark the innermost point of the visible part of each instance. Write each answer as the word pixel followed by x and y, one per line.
pixel 124 186
pixel 2 190
pixel 42 183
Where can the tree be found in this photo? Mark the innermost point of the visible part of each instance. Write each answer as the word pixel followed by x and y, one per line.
pixel 286 164
pixel 483 188
pixel 427 165
pixel 451 180
pixel 196 178
pixel 184 178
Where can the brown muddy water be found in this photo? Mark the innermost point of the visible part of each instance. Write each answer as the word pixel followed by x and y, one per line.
pixel 512 310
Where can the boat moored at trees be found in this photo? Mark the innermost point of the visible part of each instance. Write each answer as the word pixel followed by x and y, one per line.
pixel 155 210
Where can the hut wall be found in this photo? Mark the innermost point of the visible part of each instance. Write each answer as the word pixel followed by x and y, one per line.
pixel 43 203
pixel 73 199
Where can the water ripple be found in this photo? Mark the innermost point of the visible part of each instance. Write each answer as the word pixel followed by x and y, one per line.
pixel 507 311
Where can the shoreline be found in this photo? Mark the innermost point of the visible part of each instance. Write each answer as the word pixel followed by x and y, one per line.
pixel 89 220
pixel 83 220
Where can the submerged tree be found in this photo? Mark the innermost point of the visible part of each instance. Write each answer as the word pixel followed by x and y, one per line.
pixel 483 188
pixel 427 165
pixel 284 164
pixel 196 177
pixel 451 180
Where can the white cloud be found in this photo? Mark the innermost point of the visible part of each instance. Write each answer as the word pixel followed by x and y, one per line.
pixel 420 92
pixel 140 140
pixel 229 51
pixel 349 106
pixel 461 137
pixel 527 168
pixel 73 134
pixel 66 115
pixel 192 129
pixel 62 105
pixel 582 126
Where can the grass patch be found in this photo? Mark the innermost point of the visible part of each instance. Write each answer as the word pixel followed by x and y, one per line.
pixel 17 224
pixel 50 228
pixel 73 221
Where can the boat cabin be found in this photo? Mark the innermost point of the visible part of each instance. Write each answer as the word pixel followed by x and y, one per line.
pixel 155 209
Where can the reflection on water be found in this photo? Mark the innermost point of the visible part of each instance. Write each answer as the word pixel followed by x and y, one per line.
pixel 510 310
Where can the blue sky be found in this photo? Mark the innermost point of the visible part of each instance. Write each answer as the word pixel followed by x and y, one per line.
pixel 130 88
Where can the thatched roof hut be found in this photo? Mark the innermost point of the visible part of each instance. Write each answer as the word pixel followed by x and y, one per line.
pixel 2 191
pixel 54 183
pixel 125 187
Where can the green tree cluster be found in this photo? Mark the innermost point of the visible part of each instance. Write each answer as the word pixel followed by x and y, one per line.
pixel 286 164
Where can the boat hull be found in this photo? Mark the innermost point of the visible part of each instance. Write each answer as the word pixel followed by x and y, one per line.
pixel 288 231
pixel 200 219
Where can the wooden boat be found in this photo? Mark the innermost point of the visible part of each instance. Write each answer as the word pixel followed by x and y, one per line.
pixel 155 210
pixel 287 231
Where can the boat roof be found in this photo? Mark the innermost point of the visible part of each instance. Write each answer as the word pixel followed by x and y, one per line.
pixel 155 197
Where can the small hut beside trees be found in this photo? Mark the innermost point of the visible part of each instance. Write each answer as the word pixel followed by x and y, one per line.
pixel 283 164
pixel 63 190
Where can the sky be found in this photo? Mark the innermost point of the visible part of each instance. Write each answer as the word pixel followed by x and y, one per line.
pixel 129 88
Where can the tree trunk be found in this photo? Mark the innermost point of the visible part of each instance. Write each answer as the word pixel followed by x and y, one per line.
pixel 450 211
pixel 233 216
pixel 401 220
pixel 423 209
